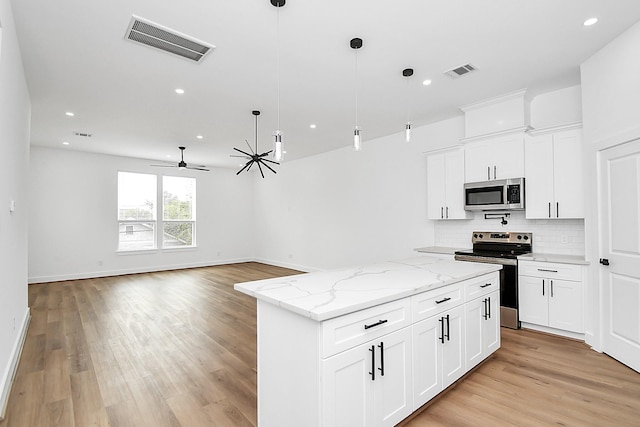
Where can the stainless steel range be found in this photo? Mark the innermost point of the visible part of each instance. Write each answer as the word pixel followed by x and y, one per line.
pixel 501 248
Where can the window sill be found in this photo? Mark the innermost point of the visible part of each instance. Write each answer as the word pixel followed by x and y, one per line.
pixel 155 250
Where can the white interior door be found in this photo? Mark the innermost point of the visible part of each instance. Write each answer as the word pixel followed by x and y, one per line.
pixel 620 245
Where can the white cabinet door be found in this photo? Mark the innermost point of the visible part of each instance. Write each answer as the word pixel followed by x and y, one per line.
pixel 491 325
pixel 347 388
pixel 445 185
pixel 436 195
pixel 393 388
pixel 438 354
pixel 532 300
pixel 453 353
pixel 553 172
pixel 478 162
pixel 369 385
pixel 539 176
pixel 508 157
pixel 427 354
pixel 496 158
pixel 567 173
pixel 482 328
pixel 565 305
pixel 454 182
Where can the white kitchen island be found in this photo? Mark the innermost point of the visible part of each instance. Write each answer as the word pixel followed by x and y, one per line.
pixel 368 345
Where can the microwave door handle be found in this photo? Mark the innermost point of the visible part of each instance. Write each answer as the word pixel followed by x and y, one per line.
pixel 495 172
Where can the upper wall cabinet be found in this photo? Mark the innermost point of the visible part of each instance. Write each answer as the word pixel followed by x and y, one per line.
pixel 553 175
pixel 498 157
pixel 445 185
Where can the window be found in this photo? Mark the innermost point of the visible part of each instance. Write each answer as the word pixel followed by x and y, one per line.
pixel 139 216
pixel 137 197
pixel 179 213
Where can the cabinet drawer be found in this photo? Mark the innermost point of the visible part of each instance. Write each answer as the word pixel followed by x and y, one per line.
pixel 430 303
pixel 474 288
pixel 550 270
pixel 344 332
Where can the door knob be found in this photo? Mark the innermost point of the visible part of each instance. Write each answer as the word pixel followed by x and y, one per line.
pixel 604 261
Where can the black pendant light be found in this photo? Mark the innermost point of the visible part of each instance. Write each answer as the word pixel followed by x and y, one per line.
pixel 356 43
pixel 407 72
pixel 278 146
pixel 254 157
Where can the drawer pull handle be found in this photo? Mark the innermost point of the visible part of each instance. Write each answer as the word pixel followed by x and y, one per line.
pixel 486 285
pixel 443 300
pixel 378 323
pixel 548 271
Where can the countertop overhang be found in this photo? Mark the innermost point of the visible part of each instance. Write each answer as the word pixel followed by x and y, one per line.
pixel 327 294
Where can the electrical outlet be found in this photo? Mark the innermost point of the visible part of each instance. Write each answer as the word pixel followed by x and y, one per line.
pixel 564 239
pixel 290 256
pixel 14 323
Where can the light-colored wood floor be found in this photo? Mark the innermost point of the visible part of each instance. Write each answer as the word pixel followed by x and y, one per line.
pixel 178 349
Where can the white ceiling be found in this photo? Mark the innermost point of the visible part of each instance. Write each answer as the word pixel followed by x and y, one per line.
pixel 76 59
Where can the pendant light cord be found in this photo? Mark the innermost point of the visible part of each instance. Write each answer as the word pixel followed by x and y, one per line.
pixel 356 87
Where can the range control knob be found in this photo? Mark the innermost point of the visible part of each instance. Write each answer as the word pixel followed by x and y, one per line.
pixel 475 236
pixel 526 237
pixel 481 236
pixel 519 237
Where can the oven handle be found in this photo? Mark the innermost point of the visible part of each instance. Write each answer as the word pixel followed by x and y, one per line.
pixel 486 260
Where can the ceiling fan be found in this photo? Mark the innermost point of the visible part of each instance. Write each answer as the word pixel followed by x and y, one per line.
pixel 254 157
pixel 182 164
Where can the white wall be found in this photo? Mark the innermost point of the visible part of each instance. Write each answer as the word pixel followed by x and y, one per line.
pixel 611 111
pixel 557 108
pixel 73 231
pixel 344 207
pixel 14 145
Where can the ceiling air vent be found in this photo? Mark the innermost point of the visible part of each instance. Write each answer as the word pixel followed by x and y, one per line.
pixel 83 134
pixel 159 37
pixel 460 71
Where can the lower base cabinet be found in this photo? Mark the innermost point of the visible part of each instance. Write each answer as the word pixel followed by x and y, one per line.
pixel 375 366
pixel 369 385
pixel 482 328
pixel 438 355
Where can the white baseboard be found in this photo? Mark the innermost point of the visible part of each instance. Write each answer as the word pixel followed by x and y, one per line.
pixel 12 368
pixel 554 331
pixel 122 272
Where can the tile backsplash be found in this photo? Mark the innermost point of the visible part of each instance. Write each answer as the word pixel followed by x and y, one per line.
pixel 557 236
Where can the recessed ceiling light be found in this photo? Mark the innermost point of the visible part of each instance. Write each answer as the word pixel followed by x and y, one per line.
pixel 179 91
pixel 70 114
pixel 312 126
pixel 65 143
pixel 426 82
pixel 199 136
pixel 589 22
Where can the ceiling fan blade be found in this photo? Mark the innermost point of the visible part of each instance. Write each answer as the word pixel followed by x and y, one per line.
pixel 198 169
pixel 266 165
pixel 249 145
pixel 260 167
pixel 244 167
pixel 266 154
pixel 243 152
pixel 164 166
pixel 270 161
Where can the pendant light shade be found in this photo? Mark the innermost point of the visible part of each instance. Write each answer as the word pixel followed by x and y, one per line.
pixel 278 147
pixel 356 44
pixel 407 72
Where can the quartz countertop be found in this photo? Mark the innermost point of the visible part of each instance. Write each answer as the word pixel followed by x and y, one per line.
pixel 561 259
pixel 326 294
pixel 440 250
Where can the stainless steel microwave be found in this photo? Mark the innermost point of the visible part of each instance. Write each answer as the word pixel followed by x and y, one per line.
pixel 499 194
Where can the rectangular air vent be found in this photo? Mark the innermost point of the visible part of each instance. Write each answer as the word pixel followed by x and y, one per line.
pixel 159 37
pixel 460 71
pixel 83 134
